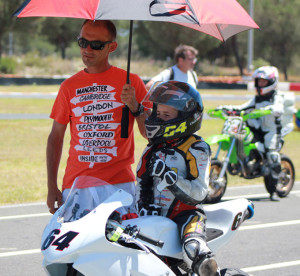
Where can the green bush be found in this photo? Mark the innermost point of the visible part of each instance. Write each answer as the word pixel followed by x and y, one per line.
pixel 8 65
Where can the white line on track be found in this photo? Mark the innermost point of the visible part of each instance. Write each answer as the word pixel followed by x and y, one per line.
pixel 25 216
pixel 23 205
pixel 20 252
pixel 268 225
pixel 264 195
pixel 270 266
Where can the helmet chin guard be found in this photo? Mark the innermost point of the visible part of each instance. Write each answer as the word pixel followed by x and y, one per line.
pixel 182 97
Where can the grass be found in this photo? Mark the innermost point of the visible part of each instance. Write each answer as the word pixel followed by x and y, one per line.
pixel 23 146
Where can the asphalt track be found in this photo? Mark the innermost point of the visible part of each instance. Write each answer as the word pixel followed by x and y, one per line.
pixel 268 244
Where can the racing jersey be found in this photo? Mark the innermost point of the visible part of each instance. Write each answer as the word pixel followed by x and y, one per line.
pixel 92 105
pixel 190 159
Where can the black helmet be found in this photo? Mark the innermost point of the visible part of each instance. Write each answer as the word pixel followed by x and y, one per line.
pixel 181 96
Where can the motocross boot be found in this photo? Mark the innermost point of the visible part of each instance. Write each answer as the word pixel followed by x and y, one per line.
pixel 199 257
pixel 274 159
pixel 274 197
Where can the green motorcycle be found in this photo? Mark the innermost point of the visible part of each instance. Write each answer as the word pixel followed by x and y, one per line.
pixel 244 157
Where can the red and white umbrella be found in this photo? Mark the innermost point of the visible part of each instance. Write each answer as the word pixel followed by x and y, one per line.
pixel 218 18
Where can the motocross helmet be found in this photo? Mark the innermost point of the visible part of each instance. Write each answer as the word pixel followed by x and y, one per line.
pixel 181 96
pixel 269 73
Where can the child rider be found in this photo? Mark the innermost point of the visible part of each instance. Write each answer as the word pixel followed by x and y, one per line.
pixel 173 172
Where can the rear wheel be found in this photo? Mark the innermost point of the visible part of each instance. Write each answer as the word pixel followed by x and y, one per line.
pixel 285 181
pixel 216 188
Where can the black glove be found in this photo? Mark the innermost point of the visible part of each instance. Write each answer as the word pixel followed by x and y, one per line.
pixel 148 209
pixel 157 167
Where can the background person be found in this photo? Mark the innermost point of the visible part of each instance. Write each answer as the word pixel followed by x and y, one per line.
pixel 181 160
pixel 91 101
pixel 185 58
pixel 266 129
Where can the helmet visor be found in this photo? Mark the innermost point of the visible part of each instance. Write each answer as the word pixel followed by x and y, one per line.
pixel 170 95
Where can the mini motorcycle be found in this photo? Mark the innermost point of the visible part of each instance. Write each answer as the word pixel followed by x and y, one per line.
pixel 84 238
pixel 244 157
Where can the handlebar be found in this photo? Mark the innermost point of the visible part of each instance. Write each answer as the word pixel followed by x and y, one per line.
pixel 225 113
pixel 116 231
pixel 148 239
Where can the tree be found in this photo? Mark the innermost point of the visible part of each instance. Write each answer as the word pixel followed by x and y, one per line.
pixel 159 39
pixel 6 22
pixel 278 40
pixel 22 29
pixel 61 32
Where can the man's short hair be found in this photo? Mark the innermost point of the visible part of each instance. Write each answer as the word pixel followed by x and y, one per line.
pixel 180 51
pixel 109 25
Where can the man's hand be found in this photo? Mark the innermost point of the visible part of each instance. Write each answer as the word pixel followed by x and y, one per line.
pixel 54 196
pixel 157 167
pixel 128 97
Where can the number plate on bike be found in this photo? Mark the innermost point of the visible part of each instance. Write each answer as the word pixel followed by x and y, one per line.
pixel 232 125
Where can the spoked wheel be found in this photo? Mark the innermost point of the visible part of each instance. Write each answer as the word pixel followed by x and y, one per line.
pixel 286 177
pixel 285 181
pixel 216 188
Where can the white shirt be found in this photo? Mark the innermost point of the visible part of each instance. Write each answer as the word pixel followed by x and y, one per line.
pixel 188 77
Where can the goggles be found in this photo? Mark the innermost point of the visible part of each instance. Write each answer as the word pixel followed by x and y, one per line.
pixel 95 45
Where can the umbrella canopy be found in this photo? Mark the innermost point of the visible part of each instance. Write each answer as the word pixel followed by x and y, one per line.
pixel 218 18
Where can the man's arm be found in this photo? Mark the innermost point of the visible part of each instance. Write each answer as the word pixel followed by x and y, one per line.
pixel 53 156
pixel 128 97
pixel 141 122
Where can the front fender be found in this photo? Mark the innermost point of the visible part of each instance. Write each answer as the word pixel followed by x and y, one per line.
pixel 217 138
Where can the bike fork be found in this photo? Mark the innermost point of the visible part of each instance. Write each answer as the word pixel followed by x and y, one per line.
pixel 226 161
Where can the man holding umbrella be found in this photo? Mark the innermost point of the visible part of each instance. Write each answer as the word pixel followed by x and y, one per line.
pixel 92 101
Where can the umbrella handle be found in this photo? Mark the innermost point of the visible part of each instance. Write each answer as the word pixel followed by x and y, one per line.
pixel 125 111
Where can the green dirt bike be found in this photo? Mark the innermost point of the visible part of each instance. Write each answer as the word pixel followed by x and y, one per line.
pixel 244 157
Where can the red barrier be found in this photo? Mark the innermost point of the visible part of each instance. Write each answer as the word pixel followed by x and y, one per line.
pixel 294 86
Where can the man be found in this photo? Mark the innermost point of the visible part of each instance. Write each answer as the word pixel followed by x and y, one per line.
pixel 185 57
pixel 92 101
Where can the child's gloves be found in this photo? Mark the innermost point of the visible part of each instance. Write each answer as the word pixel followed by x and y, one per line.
pixel 148 209
pixel 157 167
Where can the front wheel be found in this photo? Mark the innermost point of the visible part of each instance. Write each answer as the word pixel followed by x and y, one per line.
pixel 217 187
pixel 286 178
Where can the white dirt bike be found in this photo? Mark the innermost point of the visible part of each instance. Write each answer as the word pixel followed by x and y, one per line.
pixel 83 239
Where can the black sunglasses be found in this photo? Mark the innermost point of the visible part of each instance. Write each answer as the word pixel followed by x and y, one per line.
pixel 95 45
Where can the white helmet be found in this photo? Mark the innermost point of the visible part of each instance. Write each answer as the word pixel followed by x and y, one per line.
pixel 269 73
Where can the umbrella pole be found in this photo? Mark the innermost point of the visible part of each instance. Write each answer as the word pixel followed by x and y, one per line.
pixel 125 111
